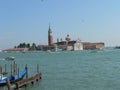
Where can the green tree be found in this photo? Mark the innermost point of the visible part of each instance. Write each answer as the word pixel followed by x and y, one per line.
pixel 24 45
pixel 28 45
pixel 33 47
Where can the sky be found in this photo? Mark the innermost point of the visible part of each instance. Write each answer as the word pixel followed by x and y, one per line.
pixel 89 20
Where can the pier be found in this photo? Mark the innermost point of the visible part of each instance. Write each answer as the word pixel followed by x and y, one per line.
pixel 26 81
pixel 22 82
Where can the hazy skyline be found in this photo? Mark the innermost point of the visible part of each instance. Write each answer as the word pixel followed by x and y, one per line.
pixel 28 21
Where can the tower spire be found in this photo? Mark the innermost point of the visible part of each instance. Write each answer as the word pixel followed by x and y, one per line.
pixel 50 37
pixel 49 27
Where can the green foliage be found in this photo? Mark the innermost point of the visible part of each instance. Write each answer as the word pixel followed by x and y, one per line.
pixel 27 45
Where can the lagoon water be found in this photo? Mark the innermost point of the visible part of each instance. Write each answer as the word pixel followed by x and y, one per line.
pixel 73 70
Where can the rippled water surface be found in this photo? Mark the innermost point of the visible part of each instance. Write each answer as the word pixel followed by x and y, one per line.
pixel 74 70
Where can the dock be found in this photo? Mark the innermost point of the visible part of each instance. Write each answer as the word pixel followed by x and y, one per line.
pixel 23 82
pixel 26 81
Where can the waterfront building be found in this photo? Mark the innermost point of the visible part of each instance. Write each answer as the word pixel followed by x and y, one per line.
pixel 16 50
pixel 93 46
pixel 70 45
pixel 67 44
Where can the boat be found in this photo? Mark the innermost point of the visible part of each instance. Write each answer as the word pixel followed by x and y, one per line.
pixel 13 78
pixel 117 47
pixel 2 77
pixel 10 58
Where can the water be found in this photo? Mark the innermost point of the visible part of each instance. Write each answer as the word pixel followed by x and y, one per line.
pixel 75 70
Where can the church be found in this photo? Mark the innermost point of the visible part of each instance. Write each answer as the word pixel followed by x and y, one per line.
pixel 67 44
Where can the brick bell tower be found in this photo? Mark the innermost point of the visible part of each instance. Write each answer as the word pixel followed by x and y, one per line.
pixel 50 37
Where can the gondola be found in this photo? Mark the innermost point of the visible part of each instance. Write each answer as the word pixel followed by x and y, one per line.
pixel 13 78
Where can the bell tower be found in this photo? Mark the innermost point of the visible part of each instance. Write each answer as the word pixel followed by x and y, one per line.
pixel 50 37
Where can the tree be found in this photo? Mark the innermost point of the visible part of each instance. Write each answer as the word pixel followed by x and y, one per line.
pixel 23 45
pixel 33 47
pixel 28 45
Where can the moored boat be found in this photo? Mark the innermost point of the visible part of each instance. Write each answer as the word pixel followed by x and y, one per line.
pixel 2 77
pixel 13 78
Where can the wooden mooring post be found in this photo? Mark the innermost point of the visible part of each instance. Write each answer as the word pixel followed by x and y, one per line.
pixel 26 71
pixel 1 71
pixel 37 68
pixel 5 68
pixel 8 84
pixel 11 69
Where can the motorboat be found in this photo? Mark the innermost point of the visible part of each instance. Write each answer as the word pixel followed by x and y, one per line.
pixel 10 58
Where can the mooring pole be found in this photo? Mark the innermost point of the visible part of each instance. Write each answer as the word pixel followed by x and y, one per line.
pixel 37 68
pixel 11 69
pixel 8 84
pixel 1 71
pixel 14 68
pixel 26 71
pixel 5 68
pixel 18 72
